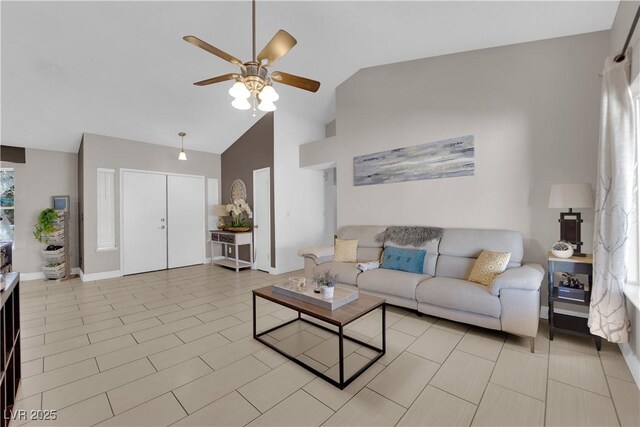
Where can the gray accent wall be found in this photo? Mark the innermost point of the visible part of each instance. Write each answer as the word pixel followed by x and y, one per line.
pixel 115 153
pixel 253 150
pixel 44 174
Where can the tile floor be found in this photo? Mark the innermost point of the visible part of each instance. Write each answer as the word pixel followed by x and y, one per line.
pixel 175 348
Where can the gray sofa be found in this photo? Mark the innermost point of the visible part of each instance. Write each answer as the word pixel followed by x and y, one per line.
pixel 510 304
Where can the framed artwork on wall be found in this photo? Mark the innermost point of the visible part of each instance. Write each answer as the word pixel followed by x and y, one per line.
pixel 60 203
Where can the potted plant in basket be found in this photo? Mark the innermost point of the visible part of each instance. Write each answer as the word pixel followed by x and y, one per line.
pixel 238 209
pixel 327 283
pixel 45 225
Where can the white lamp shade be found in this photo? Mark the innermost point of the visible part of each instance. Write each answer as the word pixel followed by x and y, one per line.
pixel 571 196
pixel 182 156
pixel 268 94
pixel 220 210
pixel 267 106
pixel 241 104
pixel 239 90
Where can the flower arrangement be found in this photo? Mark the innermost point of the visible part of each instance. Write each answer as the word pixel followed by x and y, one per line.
pixel 237 209
pixel 326 280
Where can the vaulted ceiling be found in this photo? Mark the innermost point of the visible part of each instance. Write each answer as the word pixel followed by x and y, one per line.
pixel 122 68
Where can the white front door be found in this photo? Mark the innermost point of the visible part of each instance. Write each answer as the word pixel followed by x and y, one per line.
pixel 185 220
pixel 144 222
pixel 262 218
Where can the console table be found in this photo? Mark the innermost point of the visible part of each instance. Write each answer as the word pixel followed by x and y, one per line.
pixel 227 239
pixel 9 345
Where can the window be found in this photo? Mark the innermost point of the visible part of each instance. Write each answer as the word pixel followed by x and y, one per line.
pixel 106 209
pixel 7 203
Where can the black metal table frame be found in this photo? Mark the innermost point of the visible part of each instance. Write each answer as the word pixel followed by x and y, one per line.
pixel 341 337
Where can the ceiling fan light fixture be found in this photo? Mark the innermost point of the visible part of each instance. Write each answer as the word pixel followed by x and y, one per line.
pixel 268 94
pixel 267 106
pixel 239 91
pixel 241 104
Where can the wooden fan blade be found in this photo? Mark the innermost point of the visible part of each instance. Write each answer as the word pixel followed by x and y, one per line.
pixel 217 52
pixel 296 81
pixel 277 47
pixel 218 79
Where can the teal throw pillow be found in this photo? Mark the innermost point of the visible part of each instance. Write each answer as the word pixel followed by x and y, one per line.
pixel 410 260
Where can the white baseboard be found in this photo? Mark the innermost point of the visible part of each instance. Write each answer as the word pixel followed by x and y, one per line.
pixel 207 260
pixel 25 277
pixel 99 276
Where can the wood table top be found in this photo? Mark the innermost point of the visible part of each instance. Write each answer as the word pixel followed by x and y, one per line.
pixel 340 316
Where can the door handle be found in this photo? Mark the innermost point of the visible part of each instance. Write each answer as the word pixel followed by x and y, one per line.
pixel 162 227
pixel 255 226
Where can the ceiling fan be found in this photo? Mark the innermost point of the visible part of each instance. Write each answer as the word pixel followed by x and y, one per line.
pixel 253 81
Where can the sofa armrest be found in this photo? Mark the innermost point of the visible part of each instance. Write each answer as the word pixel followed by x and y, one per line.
pixel 528 277
pixel 318 254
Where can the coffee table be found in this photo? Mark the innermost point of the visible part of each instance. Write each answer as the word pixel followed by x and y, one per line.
pixel 339 317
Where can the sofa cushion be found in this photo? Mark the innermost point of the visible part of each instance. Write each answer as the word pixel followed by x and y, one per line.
pixel 393 282
pixel 345 250
pixel 458 294
pixel 409 260
pixel 430 260
pixel 347 272
pixel 488 266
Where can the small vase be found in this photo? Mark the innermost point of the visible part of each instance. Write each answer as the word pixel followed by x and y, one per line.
pixel 327 292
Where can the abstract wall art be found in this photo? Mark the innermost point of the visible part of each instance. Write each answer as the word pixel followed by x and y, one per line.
pixel 440 159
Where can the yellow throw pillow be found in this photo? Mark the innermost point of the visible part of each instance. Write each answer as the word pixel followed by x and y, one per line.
pixel 345 250
pixel 488 266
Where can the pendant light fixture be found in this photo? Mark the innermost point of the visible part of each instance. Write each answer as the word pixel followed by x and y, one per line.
pixel 182 155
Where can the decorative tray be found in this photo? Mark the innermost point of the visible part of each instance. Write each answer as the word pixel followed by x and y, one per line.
pixel 341 296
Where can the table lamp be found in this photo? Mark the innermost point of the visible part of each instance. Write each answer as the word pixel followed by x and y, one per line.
pixel 570 196
pixel 220 211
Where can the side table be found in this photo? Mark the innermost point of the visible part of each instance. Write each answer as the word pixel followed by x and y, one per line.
pixel 560 322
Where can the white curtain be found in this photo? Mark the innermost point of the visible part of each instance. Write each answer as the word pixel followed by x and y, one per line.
pixel 614 204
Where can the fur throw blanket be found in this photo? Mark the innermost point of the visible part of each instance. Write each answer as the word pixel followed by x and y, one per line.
pixel 409 236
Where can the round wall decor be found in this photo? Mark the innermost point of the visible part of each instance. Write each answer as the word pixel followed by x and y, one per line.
pixel 238 190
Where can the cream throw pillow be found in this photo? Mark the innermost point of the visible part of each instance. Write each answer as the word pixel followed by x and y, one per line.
pixel 488 266
pixel 345 250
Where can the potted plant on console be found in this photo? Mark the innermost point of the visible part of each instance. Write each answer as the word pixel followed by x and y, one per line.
pixel 327 283
pixel 238 209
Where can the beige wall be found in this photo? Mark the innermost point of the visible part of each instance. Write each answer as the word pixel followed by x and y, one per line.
pixel 45 174
pixel 115 153
pixel 533 109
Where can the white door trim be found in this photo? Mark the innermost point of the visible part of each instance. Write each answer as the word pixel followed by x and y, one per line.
pixel 256 171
